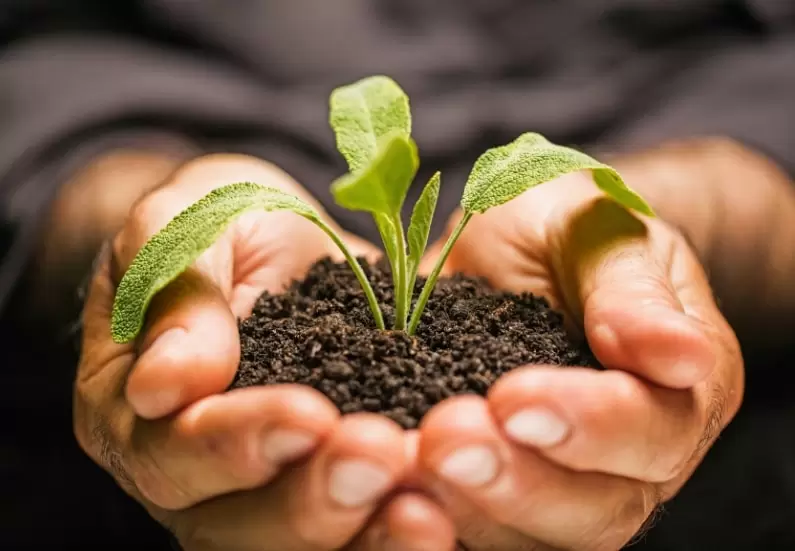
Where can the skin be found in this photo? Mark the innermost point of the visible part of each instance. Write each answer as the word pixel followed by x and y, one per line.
pixel 615 443
pixel 155 416
pixel 256 469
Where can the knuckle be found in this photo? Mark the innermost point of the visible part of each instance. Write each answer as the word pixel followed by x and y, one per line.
pixel 145 208
pixel 603 298
pixel 628 393
pixel 151 212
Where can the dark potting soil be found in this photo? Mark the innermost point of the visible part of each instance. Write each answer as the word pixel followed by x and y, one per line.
pixel 320 333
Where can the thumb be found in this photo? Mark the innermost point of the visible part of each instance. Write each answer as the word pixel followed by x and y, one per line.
pixel 190 349
pixel 617 279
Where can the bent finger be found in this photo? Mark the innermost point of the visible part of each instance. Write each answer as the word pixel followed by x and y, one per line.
pixel 614 276
pixel 190 350
pixel 225 443
pixel 470 465
pixel 321 504
pixel 408 522
pixel 604 421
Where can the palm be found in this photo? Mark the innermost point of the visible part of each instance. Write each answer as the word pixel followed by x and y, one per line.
pixel 634 289
pixel 543 241
pixel 266 251
pixel 155 414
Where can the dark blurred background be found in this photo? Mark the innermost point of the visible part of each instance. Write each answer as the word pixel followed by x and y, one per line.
pixel 80 78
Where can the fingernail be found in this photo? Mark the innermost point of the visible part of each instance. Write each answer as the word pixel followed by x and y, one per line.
pixel 537 427
pixel 155 404
pixel 473 466
pixel 355 482
pixel 607 336
pixel 283 445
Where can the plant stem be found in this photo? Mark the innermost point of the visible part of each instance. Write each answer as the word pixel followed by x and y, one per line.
pixel 358 271
pixel 402 301
pixel 430 283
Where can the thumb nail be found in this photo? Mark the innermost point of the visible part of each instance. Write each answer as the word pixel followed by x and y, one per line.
pixel 154 403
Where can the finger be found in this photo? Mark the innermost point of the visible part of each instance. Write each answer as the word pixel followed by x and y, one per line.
pixel 605 421
pixel 191 348
pixel 99 382
pixel 408 522
pixel 321 505
pixel 98 352
pixel 191 182
pixel 613 274
pixel 471 467
pixel 229 442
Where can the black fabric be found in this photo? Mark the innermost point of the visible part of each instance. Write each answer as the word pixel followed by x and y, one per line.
pixel 254 77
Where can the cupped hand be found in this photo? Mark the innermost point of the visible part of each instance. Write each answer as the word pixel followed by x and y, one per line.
pixel 260 469
pixel 573 458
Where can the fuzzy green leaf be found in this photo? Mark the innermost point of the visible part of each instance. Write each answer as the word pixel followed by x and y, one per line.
pixel 381 186
pixel 420 226
pixel 169 252
pixel 364 112
pixel 503 173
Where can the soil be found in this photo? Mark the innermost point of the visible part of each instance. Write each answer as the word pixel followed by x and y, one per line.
pixel 320 332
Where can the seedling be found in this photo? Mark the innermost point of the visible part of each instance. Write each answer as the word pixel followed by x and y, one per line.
pixel 372 123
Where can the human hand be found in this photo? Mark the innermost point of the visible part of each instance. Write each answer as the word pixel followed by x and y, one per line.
pixel 577 458
pixel 267 468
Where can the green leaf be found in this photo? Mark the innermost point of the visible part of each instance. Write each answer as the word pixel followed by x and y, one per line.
pixel 381 186
pixel 388 235
pixel 503 173
pixel 420 226
pixel 175 247
pixel 364 112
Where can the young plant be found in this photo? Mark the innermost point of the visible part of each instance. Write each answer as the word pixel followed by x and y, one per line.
pixel 372 123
